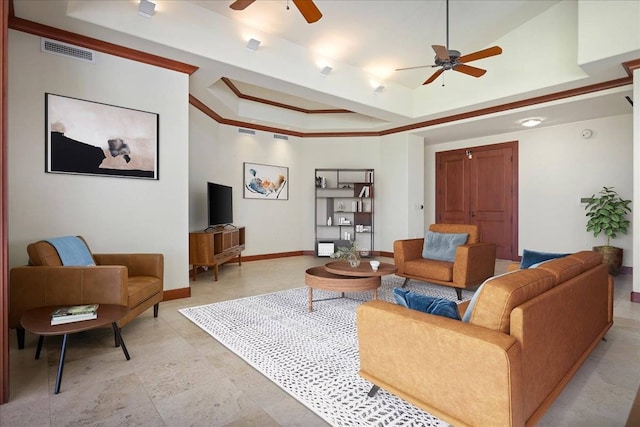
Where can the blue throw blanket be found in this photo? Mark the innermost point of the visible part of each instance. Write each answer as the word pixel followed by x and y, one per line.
pixel 72 251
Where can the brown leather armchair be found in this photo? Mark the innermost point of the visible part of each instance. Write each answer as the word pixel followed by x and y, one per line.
pixel 473 264
pixel 134 280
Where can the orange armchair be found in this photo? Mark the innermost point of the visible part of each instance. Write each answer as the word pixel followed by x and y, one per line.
pixel 134 280
pixel 474 261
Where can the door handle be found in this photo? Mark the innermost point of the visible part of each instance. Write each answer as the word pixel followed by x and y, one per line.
pixel 473 214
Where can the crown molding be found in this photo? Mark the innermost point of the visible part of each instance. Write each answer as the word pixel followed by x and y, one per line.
pixel 241 95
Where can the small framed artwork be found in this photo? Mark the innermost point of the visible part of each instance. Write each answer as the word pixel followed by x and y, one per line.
pixel 90 138
pixel 266 182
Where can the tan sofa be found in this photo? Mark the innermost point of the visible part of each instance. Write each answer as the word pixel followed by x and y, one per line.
pixel 474 262
pixel 529 332
pixel 134 280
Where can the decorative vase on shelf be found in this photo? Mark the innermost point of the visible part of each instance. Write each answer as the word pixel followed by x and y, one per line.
pixel 329 221
pixel 353 259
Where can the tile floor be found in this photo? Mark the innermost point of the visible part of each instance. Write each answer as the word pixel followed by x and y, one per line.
pixel 179 376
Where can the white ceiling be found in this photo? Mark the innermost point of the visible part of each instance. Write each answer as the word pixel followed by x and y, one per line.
pixel 356 38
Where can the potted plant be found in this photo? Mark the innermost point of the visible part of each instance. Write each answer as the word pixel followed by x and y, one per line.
pixel 607 213
pixel 351 255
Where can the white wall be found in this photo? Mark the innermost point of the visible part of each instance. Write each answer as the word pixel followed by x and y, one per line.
pixel 557 167
pixel 217 155
pixel 114 214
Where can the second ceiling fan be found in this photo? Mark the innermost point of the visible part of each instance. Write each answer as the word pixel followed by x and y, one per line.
pixel 307 8
pixel 450 59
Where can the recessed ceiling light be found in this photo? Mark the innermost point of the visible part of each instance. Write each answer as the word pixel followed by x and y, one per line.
pixel 253 45
pixel 146 8
pixel 531 122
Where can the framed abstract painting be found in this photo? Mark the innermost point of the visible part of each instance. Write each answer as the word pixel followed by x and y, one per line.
pixel 266 182
pixel 91 138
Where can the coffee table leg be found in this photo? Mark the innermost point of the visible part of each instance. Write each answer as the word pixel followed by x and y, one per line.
pixel 310 299
pixel 63 350
pixel 116 331
pixel 40 340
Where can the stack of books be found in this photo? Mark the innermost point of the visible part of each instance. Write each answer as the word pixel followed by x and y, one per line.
pixel 74 313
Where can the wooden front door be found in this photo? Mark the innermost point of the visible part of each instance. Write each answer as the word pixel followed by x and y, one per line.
pixel 479 186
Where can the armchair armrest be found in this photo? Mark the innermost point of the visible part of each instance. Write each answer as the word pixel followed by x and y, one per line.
pixel 406 250
pixel 138 264
pixel 463 373
pixel 32 287
pixel 474 263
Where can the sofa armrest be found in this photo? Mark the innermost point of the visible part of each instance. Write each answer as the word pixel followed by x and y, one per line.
pixel 138 264
pixel 32 287
pixel 474 263
pixel 463 373
pixel 406 250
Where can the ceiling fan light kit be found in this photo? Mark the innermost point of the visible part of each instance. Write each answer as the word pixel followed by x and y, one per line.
pixel 450 59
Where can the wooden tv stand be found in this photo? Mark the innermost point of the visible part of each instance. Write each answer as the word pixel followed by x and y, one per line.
pixel 215 247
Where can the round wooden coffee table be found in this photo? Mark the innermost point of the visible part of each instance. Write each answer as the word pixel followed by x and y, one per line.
pixel 339 276
pixel 38 321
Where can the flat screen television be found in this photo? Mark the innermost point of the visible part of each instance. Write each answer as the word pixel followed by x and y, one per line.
pixel 219 202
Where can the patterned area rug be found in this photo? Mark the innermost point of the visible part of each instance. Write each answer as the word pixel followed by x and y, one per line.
pixel 314 356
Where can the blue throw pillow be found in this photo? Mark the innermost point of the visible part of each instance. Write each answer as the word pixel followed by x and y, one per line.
pixel 530 258
pixel 427 304
pixel 442 246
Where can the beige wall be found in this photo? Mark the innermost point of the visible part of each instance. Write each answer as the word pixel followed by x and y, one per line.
pixel 114 214
pixel 557 167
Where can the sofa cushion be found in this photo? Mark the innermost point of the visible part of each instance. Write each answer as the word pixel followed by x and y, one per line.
pixel 472 230
pixel 436 270
pixel 502 294
pixel 442 246
pixel 563 269
pixel 427 304
pixel 530 258
pixel 141 288
pixel 589 259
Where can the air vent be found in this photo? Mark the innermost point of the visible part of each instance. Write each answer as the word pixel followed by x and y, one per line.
pixel 68 50
pixel 278 136
pixel 247 131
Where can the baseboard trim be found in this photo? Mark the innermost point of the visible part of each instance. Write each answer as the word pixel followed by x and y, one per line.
pixel 172 294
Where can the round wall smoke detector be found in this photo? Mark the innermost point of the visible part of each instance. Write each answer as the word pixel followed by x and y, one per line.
pixel 587 133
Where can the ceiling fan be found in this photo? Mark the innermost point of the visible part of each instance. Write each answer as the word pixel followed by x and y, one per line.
pixel 306 7
pixel 450 59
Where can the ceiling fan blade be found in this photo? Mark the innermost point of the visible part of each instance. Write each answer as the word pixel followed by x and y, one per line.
pixel 413 68
pixel 441 52
pixel 492 51
pixel 309 10
pixel 468 69
pixel 241 4
pixel 433 76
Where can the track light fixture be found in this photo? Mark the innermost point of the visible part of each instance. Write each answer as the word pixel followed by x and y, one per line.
pixel 253 45
pixel 146 8
pixel 326 70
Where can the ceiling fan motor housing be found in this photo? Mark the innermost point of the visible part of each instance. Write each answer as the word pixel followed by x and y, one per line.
pixel 448 64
